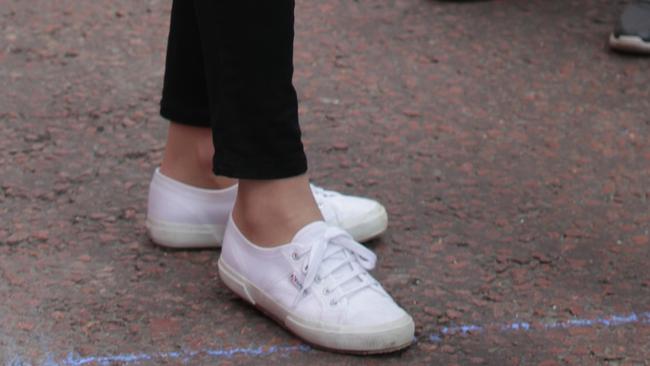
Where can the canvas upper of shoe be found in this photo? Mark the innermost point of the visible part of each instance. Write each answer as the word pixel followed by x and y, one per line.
pixel 176 202
pixel 337 266
pixel 321 276
pixel 343 210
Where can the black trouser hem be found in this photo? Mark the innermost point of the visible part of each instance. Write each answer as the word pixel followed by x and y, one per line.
pixel 261 168
pixel 197 117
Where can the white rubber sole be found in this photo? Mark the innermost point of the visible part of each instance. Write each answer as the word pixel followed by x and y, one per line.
pixel 370 226
pixel 629 44
pixel 185 236
pixel 386 338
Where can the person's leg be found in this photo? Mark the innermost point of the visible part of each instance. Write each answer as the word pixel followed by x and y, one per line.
pixel 188 206
pixel 277 252
pixel 188 157
pixel 189 151
pixel 270 212
pixel 249 68
pixel 181 213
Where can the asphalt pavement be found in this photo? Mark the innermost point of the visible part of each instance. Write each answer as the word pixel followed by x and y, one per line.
pixel 509 145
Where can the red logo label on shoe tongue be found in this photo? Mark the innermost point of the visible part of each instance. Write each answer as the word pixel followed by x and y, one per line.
pixel 296 282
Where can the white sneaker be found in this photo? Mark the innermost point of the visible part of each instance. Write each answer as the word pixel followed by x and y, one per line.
pixel 318 288
pixel 183 216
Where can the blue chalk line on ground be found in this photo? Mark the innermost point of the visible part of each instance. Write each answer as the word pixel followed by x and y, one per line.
pixel 464 330
pixel 71 360
pixel 610 321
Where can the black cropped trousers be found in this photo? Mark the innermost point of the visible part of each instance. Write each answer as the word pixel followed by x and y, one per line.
pixel 229 67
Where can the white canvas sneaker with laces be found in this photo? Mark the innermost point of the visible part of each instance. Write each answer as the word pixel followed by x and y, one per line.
pixel 183 216
pixel 318 287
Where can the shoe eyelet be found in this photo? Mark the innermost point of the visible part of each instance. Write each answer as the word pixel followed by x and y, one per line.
pixel 294 256
pixel 305 269
pixel 317 279
pixel 333 303
pixel 326 291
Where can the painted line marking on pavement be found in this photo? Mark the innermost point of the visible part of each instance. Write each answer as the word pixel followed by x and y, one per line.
pixel 464 330
pixel 609 321
pixel 185 356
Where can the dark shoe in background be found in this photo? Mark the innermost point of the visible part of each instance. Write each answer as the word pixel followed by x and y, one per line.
pixel 632 33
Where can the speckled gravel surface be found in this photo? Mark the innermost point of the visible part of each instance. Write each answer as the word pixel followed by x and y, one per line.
pixel 509 145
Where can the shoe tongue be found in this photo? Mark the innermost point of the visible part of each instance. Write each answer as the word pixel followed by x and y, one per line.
pixel 307 234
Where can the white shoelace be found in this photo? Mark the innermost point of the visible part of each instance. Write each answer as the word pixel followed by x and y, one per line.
pixel 356 253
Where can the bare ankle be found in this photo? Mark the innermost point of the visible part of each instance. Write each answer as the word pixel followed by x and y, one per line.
pixel 188 157
pixel 269 213
pixel 196 177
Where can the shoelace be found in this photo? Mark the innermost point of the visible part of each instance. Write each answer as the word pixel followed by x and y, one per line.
pixel 318 253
